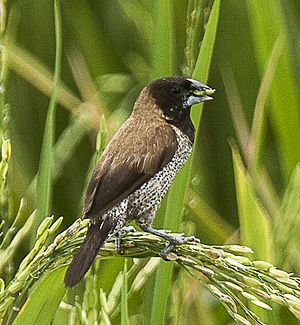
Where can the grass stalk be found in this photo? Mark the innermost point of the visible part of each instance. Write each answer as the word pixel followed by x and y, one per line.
pixel 44 179
pixel 227 271
pixel 124 300
pixel 162 60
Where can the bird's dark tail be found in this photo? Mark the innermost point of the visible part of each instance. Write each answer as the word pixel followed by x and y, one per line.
pixel 95 238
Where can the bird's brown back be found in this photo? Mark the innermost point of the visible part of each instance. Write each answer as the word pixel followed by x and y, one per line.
pixel 141 147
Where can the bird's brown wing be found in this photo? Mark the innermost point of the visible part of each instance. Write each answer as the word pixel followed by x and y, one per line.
pixel 126 164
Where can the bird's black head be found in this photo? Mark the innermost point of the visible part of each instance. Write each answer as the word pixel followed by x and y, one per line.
pixel 175 95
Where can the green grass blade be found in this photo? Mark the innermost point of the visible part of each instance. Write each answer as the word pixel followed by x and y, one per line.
pixel 255 227
pixel 161 292
pixel 44 180
pixel 254 224
pixel 258 129
pixel 267 24
pixel 82 19
pixel 6 253
pixel 176 194
pixel 194 35
pixel 208 218
pixel 43 301
pixel 290 15
pixel 124 299
pixel 201 72
pixel 141 18
pixel 29 67
pixel 205 55
pixel 163 40
pixel 287 225
pixel 163 51
pixel 64 148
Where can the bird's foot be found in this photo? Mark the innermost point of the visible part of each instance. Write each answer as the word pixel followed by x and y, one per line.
pixel 173 240
pixel 182 239
pixel 118 236
pixel 127 229
pixel 177 240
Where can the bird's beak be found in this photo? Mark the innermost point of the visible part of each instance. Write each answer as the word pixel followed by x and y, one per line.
pixel 199 92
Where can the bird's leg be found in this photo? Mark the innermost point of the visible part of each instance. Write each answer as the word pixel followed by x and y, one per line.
pixel 173 240
pixel 127 229
pixel 118 236
pixel 118 242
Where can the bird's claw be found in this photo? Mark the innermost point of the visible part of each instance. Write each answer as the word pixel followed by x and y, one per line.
pixel 181 239
pixel 164 253
pixel 178 240
pixel 118 236
pixel 127 229
pixel 118 243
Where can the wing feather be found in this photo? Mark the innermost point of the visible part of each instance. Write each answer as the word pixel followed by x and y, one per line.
pixel 126 164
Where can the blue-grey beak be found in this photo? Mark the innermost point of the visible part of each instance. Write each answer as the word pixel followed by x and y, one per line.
pixel 198 92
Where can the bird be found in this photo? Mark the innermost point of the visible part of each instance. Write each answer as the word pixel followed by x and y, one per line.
pixel 138 166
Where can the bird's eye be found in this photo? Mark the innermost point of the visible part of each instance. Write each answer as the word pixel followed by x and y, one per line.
pixel 176 90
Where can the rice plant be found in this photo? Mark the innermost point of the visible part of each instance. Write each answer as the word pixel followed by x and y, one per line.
pixel 68 80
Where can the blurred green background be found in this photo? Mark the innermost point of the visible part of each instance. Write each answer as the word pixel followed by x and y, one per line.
pixel 244 183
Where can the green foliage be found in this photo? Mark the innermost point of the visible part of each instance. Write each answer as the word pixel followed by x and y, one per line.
pixel 244 195
pixel 253 219
pixel 44 178
pixel 40 306
pixel 226 271
pixel 175 200
pixel 124 300
pixel 284 125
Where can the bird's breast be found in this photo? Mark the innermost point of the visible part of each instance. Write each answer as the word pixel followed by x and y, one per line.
pixel 143 203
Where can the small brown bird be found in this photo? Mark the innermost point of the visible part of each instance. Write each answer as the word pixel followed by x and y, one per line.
pixel 138 166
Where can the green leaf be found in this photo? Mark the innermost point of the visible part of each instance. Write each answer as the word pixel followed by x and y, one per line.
pixel 176 194
pixel 267 24
pixel 200 73
pixel 254 224
pixel 163 39
pixel 42 303
pixel 287 224
pixel 141 18
pixel 83 21
pixel 124 299
pixel 162 54
pixel 255 228
pixel 44 179
pixel 205 56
